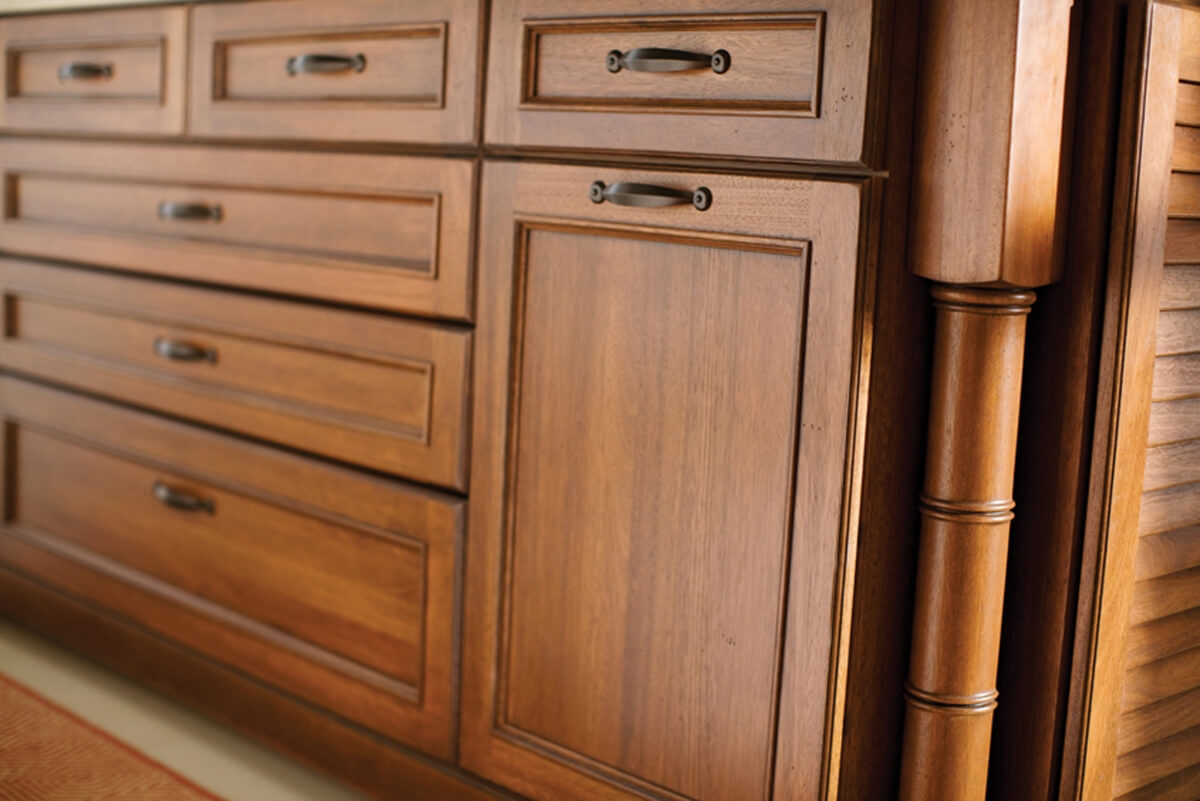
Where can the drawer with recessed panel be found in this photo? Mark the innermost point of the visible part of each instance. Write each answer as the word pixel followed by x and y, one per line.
pixel 377 391
pixel 332 585
pixel 371 70
pixel 387 232
pixel 116 72
pixel 756 79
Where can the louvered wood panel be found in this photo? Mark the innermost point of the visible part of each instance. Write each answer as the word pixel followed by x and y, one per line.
pixel 1155 681
pixel 1180 287
pixel 1182 786
pixel 1188 104
pixel 1156 761
pixel 1158 731
pixel 1168 552
pixel 1160 639
pixel 1179 331
pixel 1149 724
pixel 1173 421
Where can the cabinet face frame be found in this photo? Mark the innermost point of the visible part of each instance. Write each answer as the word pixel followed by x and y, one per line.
pixel 824 218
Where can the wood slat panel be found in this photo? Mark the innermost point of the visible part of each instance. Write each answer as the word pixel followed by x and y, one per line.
pixel 1180 288
pixel 1183 237
pixel 1174 421
pixel 1160 639
pixel 1146 765
pixel 1181 786
pixel 1168 552
pixel 1189 48
pixel 1178 332
pixel 1164 596
pixel 1184 195
pixel 1172 465
pixel 1166 510
pixel 1155 681
pixel 1186 155
pixel 1187 104
pixel 1140 727
pixel 1176 376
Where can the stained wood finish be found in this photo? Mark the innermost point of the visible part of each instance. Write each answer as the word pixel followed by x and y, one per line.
pixel 966 508
pixel 380 231
pixel 1121 626
pixel 1054 441
pixel 418 82
pixel 144 93
pixel 380 392
pixel 893 455
pixel 327 584
pixel 797 84
pixel 1159 724
pixel 988 133
pixel 652 667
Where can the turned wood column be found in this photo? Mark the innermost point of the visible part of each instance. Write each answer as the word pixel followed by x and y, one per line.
pixel 966 508
pixel 984 229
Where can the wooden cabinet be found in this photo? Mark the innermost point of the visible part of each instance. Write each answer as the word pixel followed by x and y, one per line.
pixel 330 584
pixel 662 403
pixel 471 439
pixel 370 70
pixel 384 393
pixel 716 78
pixel 111 72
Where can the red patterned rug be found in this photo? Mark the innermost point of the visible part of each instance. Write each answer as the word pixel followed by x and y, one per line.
pixel 48 754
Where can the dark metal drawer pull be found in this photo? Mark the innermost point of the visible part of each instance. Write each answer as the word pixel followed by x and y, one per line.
pixel 325 63
pixel 84 70
pixel 178 351
pixel 189 211
pixel 659 59
pixel 185 501
pixel 649 195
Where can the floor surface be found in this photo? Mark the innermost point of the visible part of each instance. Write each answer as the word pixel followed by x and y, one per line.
pixel 210 755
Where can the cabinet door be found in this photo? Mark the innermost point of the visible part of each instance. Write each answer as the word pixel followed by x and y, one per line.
pixel 663 437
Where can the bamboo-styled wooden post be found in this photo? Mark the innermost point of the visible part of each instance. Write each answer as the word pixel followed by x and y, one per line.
pixel 985 202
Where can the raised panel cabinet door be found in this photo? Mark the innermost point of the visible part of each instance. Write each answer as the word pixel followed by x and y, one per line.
pixel 367 70
pixel 661 514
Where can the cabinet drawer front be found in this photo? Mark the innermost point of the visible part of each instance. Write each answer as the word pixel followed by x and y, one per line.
pixel 116 72
pixel 777 58
pixel 327 584
pixel 375 70
pixel 659 473
pixel 385 393
pixel 379 231
pixel 729 79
